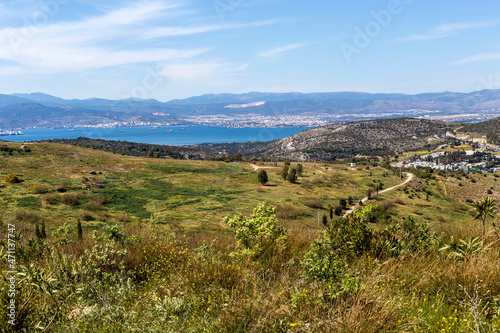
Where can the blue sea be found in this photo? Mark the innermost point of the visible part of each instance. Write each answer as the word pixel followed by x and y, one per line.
pixel 162 135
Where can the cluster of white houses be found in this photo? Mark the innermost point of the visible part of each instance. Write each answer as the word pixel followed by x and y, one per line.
pixel 433 161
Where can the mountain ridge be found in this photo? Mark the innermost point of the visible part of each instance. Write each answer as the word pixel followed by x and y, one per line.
pixel 318 108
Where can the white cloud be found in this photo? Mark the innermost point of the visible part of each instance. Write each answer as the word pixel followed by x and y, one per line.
pixel 445 30
pixel 11 70
pixel 179 31
pixel 109 39
pixel 478 57
pixel 279 50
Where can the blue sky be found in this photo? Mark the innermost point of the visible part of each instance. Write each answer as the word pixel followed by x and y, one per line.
pixel 167 49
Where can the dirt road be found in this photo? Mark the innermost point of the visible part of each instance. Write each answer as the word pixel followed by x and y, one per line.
pixel 365 199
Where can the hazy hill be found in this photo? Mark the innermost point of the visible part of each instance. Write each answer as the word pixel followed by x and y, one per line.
pixel 484 127
pixel 19 108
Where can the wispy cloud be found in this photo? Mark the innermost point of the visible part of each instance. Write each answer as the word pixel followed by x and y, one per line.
pixel 478 57
pixel 179 31
pixel 113 38
pixel 445 30
pixel 279 50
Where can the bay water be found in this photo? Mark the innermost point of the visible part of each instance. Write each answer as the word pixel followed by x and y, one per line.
pixel 161 135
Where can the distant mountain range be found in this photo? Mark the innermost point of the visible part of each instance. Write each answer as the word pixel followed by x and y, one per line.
pixel 43 110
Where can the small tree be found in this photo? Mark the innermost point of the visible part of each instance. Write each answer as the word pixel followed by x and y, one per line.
pixel 484 208
pixel 284 172
pixel 300 170
pixel 238 157
pixel 286 163
pixel 343 203
pixel 150 154
pixel 292 175
pixel 157 154
pixel 43 233
pixel 262 176
pixel 331 213
pixel 37 232
pixel 324 220
pixel 338 210
pixel 80 230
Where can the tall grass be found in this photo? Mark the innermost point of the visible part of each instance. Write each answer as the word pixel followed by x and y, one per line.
pixel 150 278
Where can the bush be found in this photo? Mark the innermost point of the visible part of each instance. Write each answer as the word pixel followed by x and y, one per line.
pixel 94 205
pixel 71 199
pixel 39 189
pixel 12 178
pixel 314 203
pixel 30 202
pixel 51 198
pixel 371 214
pixel 339 244
pixel 258 233
pixel 26 216
pixel 290 212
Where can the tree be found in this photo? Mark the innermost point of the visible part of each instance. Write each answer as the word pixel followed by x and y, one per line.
pixel 325 220
pixel 287 163
pixel 238 157
pixel 150 153
pixel 300 169
pixel 262 176
pixel 292 175
pixel 331 213
pixel 484 208
pixel 338 210
pixel 157 154
pixel 343 203
pixel 43 233
pixel 80 230
pixel 284 172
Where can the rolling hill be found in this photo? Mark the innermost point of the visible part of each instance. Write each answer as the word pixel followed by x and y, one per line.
pixel 345 140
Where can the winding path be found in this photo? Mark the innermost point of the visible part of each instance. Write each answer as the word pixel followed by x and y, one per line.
pixel 365 199
pixel 258 167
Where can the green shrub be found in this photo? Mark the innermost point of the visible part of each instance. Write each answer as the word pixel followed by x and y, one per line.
pixel 258 233
pixel 30 202
pixel 407 235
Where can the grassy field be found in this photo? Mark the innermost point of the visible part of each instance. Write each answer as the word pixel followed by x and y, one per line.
pixel 191 194
pixel 155 255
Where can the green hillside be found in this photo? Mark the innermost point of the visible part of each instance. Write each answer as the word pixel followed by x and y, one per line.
pixel 154 252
